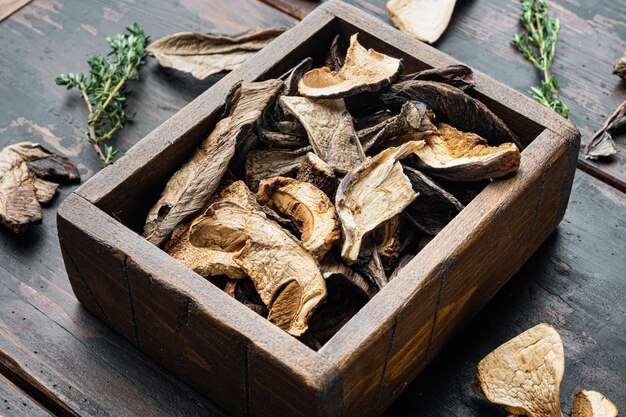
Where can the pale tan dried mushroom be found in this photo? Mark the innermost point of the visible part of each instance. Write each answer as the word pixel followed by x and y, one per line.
pixel 524 375
pixel 593 404
pixel 317 172
pixel 461 156
pixel 310 210
pixel 364 70
pixel 425 20
pixel 371 194
pixel 285 274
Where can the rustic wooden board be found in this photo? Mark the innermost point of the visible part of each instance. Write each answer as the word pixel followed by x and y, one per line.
pixel 8 7
pixel 593 37
pixel 14 402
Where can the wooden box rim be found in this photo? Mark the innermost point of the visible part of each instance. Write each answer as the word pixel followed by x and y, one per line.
pixel 315 369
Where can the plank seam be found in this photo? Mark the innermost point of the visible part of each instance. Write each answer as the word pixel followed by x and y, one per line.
pixel 446 266
pixel 133 316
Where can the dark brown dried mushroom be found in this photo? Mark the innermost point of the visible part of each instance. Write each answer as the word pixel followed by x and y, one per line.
pixel 203 55
pixel 329 128
pixel 295 75
pixel 196 180
pixel 364 70
pixel 285 274
pixel 459 76
pixel 593 404
pixel 371 194
pixel 435 207
pixel 263 164
pixel 388 244
pixel 24 170
pixel 460 156
pixel 524 375
pixel 425 20
pixel 453 106
pixel 317 172
pixel 310 210
pixel 281 140
pixel 333 268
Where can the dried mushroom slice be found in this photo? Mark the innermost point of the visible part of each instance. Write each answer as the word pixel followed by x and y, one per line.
pixel 196 180
pixel 413 117
pixel 425 20
pixel 459 76
pixel 452 106
pixel 317 172
pixel 263 164
pixel 281 140
pixel 285 274
pixel 435 208
pixel 524 374
pixel 593 404
pixel 24 168
pixel 371 194
pixel 460 156
pixel 333 268
pixel 364 70
pixel 329 128
pixel 203 55
pixel 206 261
pixel 295 75
pixel 388 243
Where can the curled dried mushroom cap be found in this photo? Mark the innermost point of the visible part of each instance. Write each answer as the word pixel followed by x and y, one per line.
pixel 425 20
pixel 285 274
pixel 593 404
pixel 524 375
pixel 308 207
pixel 371 194
pixel 461 156
pixel 364 70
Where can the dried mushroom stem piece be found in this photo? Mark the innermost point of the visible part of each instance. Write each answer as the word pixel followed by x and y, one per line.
pixel 435 208
pixel 413 117
pixel 371 194
pixel 453 106
pixel 364 70
pixel 24 170
pixel 261 164
pixel 425 20
pixel 206 261
pixel 203 55
pixel 285 274
pixel 196 180
pixel 310 210
pixel 593 404
pixel 524 375
pixel 329 128
pixel 460 156
pixel 317 172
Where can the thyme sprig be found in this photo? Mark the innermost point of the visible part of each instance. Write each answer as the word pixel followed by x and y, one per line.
pixel 104 89
pixel 538 45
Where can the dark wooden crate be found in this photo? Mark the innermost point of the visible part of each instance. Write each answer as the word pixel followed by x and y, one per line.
pixel 240 360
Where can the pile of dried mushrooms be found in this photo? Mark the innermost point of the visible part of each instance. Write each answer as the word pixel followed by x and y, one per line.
pixel 314 189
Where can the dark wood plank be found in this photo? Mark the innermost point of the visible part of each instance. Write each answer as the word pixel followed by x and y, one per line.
pixel 8 7
pixel 574 282
pixel 14 402
pixel 593 37
pixel 46 337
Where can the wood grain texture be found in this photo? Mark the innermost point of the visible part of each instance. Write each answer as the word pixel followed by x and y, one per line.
pixel 15 403
pixel 593 37
pixel 8 7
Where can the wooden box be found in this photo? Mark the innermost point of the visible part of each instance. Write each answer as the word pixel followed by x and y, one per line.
pixel 238 359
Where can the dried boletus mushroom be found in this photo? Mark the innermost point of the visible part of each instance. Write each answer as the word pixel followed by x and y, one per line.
pixel 461 156
pixel 310 210
pixel 371 194
pixel 425 20
pixel 262 164
pixel 317 172
pixel 285 274
pixel 593 404
pixel 364 70
pixel 524 374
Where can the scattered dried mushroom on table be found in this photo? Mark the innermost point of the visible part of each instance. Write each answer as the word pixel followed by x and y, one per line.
pixel 315 189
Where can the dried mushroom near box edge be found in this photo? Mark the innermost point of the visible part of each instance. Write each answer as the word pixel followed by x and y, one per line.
pixel 524 375
pixel 364 70
pixel 29 175
pixel 372 193
pixel 286 275
pixel 196 180
pixel 593 404
pixel 425 20
pixel 461 156
pixel 308 207
pixel 203 55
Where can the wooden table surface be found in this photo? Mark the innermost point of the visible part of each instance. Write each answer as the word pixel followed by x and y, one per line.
pixel 56 358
